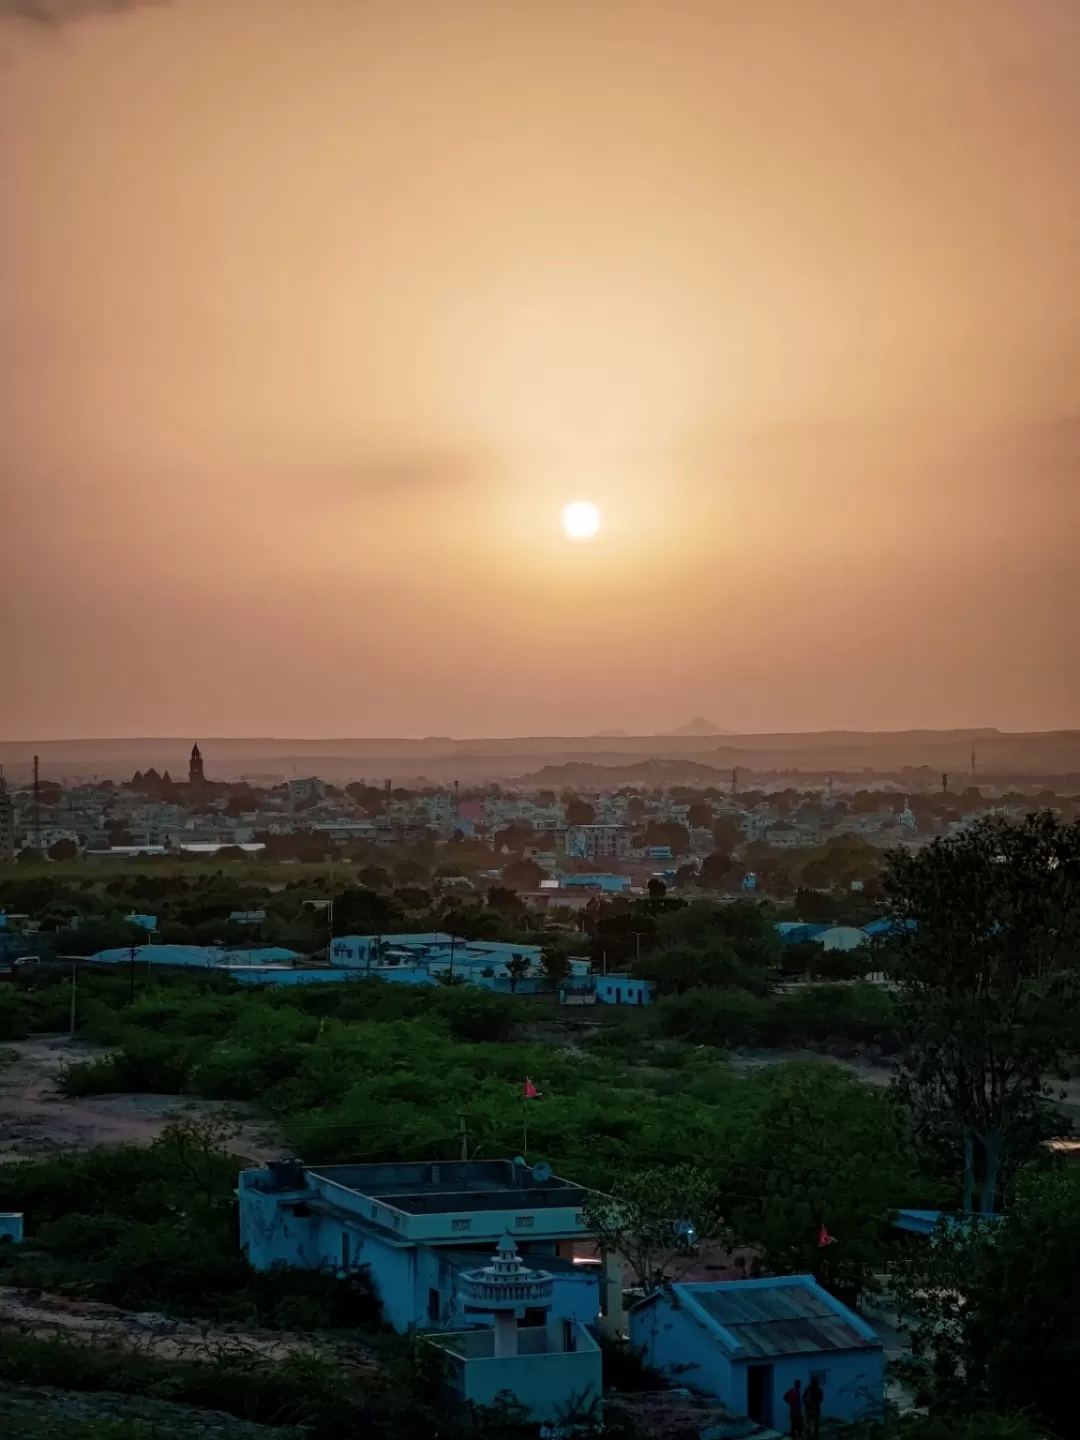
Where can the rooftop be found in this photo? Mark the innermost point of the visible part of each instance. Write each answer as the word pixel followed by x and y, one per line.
pixel 793 1317
pixel 446 1187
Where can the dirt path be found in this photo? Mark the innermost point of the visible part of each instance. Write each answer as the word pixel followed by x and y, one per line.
pixel 36 1120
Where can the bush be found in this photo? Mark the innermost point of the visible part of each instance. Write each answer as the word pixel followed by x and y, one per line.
pixel 14 1014
pixel 817 1014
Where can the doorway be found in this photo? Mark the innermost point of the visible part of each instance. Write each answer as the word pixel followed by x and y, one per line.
pixel 759 1393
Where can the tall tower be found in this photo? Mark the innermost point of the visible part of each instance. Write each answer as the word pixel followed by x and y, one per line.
pixel 506 1289
pixel 195 768
pixel 7 823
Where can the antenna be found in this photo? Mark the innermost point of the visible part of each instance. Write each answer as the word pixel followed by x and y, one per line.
pixel 541 1172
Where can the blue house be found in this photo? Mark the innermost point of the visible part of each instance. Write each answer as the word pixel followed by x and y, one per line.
pixel 796 932
pixel 418 1227
pixel 622 990
pixel 607 883
pixel 889 927
pixel 746 1342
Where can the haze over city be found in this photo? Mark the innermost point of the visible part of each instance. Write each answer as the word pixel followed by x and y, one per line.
pixel 315 317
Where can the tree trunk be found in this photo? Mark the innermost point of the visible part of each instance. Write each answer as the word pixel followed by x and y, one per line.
pixel 969 1172
pixel 992 1147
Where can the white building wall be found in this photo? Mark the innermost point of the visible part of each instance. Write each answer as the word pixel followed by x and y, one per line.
pixel 680 1347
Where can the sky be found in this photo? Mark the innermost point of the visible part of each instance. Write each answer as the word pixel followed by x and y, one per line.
pixel 315 313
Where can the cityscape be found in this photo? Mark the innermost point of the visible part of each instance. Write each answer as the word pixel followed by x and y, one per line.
pixel 539 720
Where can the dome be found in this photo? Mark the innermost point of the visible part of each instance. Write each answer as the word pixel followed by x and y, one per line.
pixel 506 1284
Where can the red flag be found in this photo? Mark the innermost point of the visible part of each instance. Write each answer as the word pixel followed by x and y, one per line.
pixel 824 1238
pixel 531 1092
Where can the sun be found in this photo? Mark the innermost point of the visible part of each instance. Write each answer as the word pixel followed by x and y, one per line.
pixel 581 520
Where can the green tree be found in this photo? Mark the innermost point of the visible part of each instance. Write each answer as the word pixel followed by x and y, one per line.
pixel 984 947
pixel 821 1149
pixel 556 965
pixel 505 900
pixel 668 832
pixel 522 874
pixel 655 1219
pixel 580 812
pixel 64 850
pixel 687 967
pixel 359 911
pixel 991 1305
pixel 720 869
pixel 517 968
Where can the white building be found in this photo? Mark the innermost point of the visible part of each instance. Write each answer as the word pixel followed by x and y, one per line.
pixel 600 842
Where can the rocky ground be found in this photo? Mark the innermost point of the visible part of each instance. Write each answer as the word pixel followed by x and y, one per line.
pixel 32 1412
pixel 32 1312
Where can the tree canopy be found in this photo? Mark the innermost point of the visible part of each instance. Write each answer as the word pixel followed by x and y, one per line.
pixel 984 946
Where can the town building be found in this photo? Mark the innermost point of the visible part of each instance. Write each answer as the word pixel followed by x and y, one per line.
pixel 599 842
pixel 791 837
pixel 419 1227
pixel 422 958
pixel 746 1342
pixel 7 825
pixel 610 884
pixel 622 990
pixel 552 1368
pixel 196 776
pixel 842 937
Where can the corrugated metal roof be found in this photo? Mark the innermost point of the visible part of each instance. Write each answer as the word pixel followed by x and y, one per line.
pixel 778 1319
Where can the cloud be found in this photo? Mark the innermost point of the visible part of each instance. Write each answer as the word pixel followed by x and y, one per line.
pixel 61 12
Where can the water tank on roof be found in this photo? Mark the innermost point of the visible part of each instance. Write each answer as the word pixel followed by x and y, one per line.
pixel 287 1175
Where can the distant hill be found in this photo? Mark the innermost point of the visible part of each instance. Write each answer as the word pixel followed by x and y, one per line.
pixel 481 759
pixel 698 726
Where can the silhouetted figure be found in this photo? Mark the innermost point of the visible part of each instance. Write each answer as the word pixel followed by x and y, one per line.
pixel 812 1398
pixel 793 1400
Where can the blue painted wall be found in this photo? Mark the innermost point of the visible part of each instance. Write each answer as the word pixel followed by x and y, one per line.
pixel 622 990
pixel 677 1340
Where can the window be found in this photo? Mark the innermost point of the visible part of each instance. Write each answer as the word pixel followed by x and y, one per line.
pixel 525 1222
pixel 433 1306
pixel 460 1225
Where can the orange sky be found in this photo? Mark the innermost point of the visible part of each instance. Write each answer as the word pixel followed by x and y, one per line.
pixel 314 313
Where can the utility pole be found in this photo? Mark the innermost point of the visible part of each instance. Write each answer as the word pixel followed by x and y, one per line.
pixel 464 1138
pixel 131 972
pixel 71 1021
pixel 453 944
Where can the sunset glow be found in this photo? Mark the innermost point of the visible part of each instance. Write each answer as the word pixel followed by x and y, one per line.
pixel 364 297
pixel 581 520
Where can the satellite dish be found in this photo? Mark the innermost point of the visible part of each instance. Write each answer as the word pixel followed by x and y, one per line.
pixel 541 1172
pixel 519 1162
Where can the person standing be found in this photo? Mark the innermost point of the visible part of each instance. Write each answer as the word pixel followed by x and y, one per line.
pixel 812 1398
pixel 793 1400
